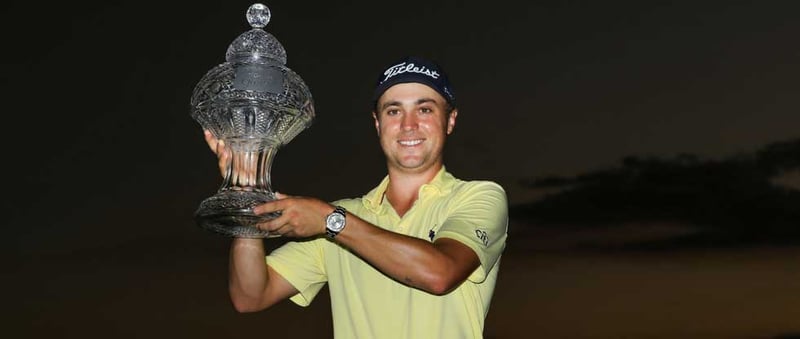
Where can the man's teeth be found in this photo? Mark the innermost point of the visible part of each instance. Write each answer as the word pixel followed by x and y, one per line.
pixel 410 142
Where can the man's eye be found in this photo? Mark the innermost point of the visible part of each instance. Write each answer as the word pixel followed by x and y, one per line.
pixel 425 110
pixel 392 112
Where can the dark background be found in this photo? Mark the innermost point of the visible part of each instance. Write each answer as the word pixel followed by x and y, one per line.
pixel 104 166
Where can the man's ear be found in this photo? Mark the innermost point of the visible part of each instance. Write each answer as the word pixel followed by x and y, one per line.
pixel 451 121
pixel 377 122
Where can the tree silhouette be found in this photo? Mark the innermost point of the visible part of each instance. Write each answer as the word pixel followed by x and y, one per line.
pixel 732 199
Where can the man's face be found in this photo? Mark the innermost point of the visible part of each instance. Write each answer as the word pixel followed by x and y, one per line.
pixel 412 123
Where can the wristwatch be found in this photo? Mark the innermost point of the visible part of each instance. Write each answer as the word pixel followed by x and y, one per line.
pixel 335 222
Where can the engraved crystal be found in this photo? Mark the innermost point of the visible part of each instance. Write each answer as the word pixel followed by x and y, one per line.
pixel 254 104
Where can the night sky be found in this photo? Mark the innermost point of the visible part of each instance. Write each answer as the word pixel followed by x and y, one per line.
pixel 101 151
pixel 99 119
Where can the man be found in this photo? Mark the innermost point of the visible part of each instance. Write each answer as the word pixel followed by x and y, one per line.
pixel 416 257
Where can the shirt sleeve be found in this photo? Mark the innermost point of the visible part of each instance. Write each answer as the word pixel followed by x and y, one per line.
pixel 478 218
pixel 301 264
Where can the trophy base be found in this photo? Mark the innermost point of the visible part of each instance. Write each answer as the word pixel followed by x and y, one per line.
pixel 230 213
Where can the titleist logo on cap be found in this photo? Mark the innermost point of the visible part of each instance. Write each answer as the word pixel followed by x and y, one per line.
pixel 409 68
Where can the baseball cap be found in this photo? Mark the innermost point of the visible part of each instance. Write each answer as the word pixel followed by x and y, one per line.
pixel 419 70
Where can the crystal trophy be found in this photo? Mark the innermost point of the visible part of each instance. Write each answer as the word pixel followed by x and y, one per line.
pixel 254 104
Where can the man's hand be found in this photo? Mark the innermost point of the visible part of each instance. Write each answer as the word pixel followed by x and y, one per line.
pixel 300 216
pixel 218 147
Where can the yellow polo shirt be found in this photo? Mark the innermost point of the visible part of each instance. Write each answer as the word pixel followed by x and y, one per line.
pixel 368 304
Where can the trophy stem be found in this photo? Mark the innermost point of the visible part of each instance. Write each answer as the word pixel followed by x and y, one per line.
pixel 247 184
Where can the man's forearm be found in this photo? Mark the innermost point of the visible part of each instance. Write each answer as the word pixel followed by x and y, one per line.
pixel 247 274
pixel 434 268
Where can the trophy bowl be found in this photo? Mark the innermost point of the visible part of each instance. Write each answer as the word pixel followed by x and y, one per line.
pixel 254 104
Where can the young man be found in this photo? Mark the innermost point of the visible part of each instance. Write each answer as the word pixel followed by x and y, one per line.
pixel 416 257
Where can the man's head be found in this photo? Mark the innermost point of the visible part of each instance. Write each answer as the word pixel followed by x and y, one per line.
pixel 418 70
pixel 414 112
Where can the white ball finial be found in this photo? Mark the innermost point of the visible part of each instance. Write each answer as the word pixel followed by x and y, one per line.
pixel 258 15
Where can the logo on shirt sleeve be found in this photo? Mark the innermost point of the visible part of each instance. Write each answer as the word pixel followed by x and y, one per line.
pixel 482 236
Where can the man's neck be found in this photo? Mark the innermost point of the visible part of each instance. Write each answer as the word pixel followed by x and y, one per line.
pixel 403 188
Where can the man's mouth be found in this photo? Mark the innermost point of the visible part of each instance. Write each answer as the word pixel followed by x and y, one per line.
pixel 410 142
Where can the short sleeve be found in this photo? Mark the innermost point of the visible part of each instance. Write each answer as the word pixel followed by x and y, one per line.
pixel 301 264
pixel 478 218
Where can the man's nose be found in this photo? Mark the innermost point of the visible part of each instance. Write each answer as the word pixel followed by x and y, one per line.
pixel 409 121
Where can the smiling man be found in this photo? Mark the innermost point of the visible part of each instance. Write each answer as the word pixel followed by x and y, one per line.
pixel 416 257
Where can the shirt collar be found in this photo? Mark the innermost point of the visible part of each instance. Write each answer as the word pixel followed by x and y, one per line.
pixel 441 184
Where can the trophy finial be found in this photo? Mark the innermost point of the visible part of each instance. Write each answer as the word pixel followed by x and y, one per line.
pixel 256 45
pixel 258 15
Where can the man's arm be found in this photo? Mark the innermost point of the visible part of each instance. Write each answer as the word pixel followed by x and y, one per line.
pixel 435 267
pixel 253 285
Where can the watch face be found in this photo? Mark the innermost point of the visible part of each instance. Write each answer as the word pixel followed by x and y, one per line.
pixel 336 221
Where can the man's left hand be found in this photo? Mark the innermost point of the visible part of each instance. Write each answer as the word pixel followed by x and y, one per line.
pixel 300 216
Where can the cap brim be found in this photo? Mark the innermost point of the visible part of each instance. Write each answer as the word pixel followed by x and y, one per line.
pixel 383 87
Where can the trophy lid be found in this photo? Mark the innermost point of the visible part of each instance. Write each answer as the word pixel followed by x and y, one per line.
pixel 253 94
pixel 256 45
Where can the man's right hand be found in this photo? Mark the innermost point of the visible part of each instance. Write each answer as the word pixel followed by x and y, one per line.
pixel 218 147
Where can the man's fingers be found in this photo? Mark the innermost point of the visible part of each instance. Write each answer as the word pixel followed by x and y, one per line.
pixel 210 140
pixel 269 207
pixel 223 165
pixel 217 146
pixel 221 149
pixel 275 225
pixel 284 230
